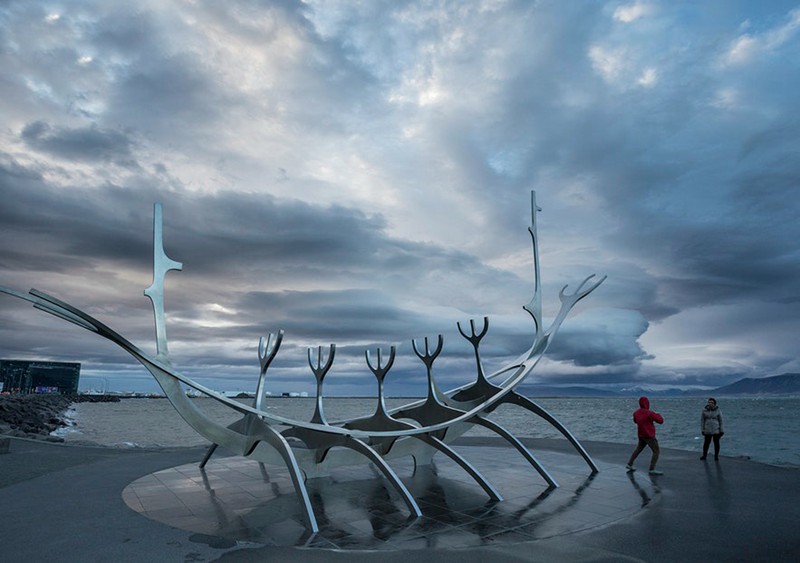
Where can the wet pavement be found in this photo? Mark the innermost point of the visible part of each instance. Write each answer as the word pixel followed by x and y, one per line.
pixel 73 503
pixel 242 500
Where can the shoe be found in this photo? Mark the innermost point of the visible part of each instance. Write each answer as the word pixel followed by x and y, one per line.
pixel 716 458
pixel 629 467
pixel 655 472
pixel 702 457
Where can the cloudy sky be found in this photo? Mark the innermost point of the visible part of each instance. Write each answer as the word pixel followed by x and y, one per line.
pixel 359 173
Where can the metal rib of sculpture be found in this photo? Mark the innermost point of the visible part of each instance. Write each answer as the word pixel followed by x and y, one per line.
pixel 311 449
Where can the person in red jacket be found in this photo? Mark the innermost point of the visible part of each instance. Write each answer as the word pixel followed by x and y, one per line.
pixel 646 430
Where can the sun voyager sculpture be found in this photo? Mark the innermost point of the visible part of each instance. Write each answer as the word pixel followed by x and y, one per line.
pixel 311 448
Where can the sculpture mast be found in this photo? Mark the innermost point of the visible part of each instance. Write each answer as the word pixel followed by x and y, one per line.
pixel 161 265
pixel 534 307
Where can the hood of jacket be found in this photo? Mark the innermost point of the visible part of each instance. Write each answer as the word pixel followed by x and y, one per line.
pixel 644 402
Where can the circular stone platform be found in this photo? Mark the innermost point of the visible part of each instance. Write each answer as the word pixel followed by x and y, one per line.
pixel 245 501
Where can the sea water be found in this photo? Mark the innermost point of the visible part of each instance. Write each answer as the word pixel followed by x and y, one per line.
pixel 762 429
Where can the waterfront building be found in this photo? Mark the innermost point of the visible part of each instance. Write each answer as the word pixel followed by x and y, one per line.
pixel 26 376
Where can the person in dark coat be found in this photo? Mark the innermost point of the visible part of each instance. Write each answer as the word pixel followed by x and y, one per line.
pixel 711 427
pixel 646 431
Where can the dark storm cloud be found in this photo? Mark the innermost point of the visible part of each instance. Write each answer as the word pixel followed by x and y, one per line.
pixel 171 88
pixel 339 314
pixel 44 223
pixel 738 250
pixel 84 144
pixel 605 338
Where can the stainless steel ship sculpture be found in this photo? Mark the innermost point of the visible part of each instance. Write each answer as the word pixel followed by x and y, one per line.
pixel 310 449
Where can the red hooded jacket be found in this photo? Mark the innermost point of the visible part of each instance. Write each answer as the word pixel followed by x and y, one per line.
pixel 644 419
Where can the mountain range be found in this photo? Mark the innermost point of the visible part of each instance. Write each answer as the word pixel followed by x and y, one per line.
pixel 785 384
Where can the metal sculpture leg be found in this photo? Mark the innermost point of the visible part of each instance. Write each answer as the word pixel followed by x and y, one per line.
pixel 211 449
pixel 387 471
pixel 323 443
pixel 514 441
pixel 263 432
pixel 467 466
pixel 524 402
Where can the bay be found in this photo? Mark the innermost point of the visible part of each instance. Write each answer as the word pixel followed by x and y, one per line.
pixel 760 428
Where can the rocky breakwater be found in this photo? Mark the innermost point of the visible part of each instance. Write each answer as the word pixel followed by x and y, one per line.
pixel 36 416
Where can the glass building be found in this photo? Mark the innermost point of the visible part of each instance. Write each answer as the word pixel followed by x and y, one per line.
pixel 23 376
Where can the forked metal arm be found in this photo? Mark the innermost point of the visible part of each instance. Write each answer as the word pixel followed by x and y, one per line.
pixel 267 349
pixel 320 372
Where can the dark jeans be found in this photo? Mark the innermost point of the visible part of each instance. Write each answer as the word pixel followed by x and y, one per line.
pixel 707 442
pixel 643 443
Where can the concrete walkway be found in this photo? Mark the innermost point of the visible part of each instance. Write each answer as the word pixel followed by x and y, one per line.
pixel 65 503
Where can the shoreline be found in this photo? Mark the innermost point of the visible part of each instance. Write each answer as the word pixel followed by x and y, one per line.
pixel 43 417
pixel 38 416
pixel 551 444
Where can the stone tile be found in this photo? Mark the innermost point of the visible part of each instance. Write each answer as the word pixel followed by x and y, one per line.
pixel 356 507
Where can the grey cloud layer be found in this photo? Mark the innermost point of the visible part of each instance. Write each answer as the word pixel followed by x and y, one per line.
pixel 362 172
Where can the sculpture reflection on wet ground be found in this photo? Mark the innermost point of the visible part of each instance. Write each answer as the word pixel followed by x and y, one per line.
pixel 310 449
pixel 237 500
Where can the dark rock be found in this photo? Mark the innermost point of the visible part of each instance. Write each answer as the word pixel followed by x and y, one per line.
pixel 95 399
pixel 32 415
